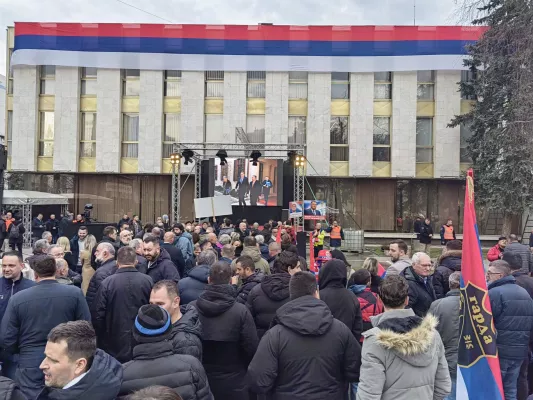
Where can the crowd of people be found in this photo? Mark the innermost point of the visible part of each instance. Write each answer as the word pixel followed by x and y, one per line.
pixel 201 311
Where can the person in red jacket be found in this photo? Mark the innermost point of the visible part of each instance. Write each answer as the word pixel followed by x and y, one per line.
pixel 496 252
pixel 370 302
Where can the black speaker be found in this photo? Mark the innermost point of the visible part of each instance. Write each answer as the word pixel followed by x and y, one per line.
pixel 301 244
pixel 288 184
pixel 208 178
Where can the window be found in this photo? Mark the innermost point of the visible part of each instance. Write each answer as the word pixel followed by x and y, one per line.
pixel 88 135
pixel 382 85
pixel 466 77
pixel 255 128
pixel 130 135
pixel 131 82
pixel 171 133
pixel 381 151
pixel 214 84
pixel 48 79
pixel 9 131
pixel 338 139
pixel 46 134
pixel 256 84
pixel 173 83
pixel 426 85
pixel 10 75
pixel 424 140
pixel 465 135
pixel 297 85
pixel 340 85
pixel 213 127
pixel 297 130
pixel 88 81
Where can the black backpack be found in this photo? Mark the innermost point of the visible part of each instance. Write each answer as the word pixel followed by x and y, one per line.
pixel 14 232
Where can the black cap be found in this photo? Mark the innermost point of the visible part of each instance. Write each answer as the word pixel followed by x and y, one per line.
pixel 152 324
pixel 502 238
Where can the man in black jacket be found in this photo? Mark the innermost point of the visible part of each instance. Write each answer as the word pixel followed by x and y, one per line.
pixel 420 281
pixel 52 226
pixel 186 326
pixel 155 363
pixel 449 262
pixel 245 269
pixel 116 303
pixel 109 236
pixel 174 252
pixel 37 226
pixel 229 337
pixel 105 256
pixel 307 354
pixel 160 266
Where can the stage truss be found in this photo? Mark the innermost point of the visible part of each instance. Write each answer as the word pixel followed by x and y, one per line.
pixel 204 151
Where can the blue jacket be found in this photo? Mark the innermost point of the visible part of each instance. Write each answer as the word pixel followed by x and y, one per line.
pixel 184 243
pixel 192 287
pixel 8 288
pixel 512 309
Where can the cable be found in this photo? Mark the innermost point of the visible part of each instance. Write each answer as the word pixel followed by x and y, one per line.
pixel 144 11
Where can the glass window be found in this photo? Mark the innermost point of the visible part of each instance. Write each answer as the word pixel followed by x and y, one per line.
pixel 297 130
pixel 88 135
pixel 213 127
pixel 339 150
pixel 130 135
pixel 88 81
pixel 256 84
pixel 297 85
pixel 468 76
pixel 298 76
pixel 48 76
pixel 424 140
pixel 131 83
pixel 171 133
pixel 381 151
pixel 9 131
pixel 214 84
pixel 340 85
pixel 426 85
pixel 465 135
pixel 382 85
pixel 10 75
pixel 46 134
pixel 173 83
pixel 255 128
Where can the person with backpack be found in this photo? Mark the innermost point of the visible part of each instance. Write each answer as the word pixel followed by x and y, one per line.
pixel 16 234
pixel 370 303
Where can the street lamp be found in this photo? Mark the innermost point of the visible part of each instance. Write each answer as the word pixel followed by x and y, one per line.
pixel 175 160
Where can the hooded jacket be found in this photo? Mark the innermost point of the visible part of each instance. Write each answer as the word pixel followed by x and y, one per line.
pixel 187 333
pixel 108 268
pixel 229 339
pixel 449 262
pixel 399 266
pixel 102 382
pixel 163 268
pixel 306 355
pixel 342 302
pixel 265 299
pixel 247 285
pixel 192 286
pixel 184 243
pixel 421 294
pixel 403 359
pixel 261 264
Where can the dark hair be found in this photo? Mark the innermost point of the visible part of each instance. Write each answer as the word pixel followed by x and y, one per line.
pixel 126 256
pixel 12 254
pixel 171 286
pixel 148 227
pixel 513 259
pixel 220 273
pixel 82 228
pixel 179 226
pixel 249 241
pixel 155 393
pixel 195 237
pixel 80 338
pixel 246 262
pixel 288 260
pixel 45 267
pixel 152 239
pixel 302 284
pixel 454 245
pixel 360 277
pixel 267 227
pixel 401 245
pixel 393 291
pixel 109 230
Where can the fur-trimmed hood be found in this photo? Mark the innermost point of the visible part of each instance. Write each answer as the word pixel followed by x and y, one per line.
pixel 409 337
pixel 455 254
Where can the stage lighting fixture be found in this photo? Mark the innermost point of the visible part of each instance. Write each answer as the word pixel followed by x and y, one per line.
pixel 255 157
pixel 187 155
pixel 222 154
pixel 299 161
pixel 175 158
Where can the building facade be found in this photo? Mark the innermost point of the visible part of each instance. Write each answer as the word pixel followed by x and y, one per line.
pixel 377 141
pixel 3 92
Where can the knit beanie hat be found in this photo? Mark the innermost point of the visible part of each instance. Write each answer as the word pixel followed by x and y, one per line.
pixel 152 324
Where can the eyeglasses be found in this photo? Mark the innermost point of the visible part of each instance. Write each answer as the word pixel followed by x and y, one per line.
pixel 493 273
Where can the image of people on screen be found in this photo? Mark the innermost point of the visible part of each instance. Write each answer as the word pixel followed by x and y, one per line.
pixel 312 209
pixel 226 186
pixel 295 209
pixel 266 186
pixel 243 188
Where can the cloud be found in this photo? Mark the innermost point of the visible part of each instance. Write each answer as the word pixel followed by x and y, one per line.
pixel 296 12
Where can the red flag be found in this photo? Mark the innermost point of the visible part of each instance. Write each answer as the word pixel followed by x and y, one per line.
pixel 278 236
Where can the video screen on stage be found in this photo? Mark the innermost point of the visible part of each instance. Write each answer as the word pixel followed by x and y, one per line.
pixel 248 184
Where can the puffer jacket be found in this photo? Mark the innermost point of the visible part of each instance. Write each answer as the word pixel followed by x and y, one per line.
pixel 108 268
pixel 163 268
pixel 192 286
pixel 261 264
pixel 421 294
pixel 9 390
pixel 525 254
pixel 512 310
pixel 449 262
pixel 187 333
pixel 247 285
pixel 399 266
pixel 403 359
pixel 265 299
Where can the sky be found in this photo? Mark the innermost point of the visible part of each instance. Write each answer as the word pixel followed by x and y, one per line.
pixel 281 12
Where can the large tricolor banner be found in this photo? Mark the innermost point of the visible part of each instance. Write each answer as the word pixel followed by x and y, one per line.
pixel 243 47
pixel 478 367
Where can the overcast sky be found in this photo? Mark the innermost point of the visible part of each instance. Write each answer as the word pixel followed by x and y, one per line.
pixel 296 12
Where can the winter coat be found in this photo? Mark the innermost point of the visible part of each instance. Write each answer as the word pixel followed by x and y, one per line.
pixel 187 333
pixel 447 312
pixel 102 382
pixel 399 266
pixel 9 390
pixel 37 228
pixel 192 286
pixel 306 355
pixel 108 268
pixel 512 311
pixel 247 285
pixel 105 239
pixel 403 359
pixel 370 304
pixel 176 257
pixel 425 232
pixel 421 294
pixel 11 233
pixel 229 340
pixel 375 282
pixel 184 243
pixel 449 262
pixel 494 253
pixel 263 248
pixel 525 281
pixel 342 302
pixel 265 299
pixel 163 268
pixel 52 226
pixel 9 288
pixel 115 308
pixel 75 249
pixel 155 364
pixel 63 226
pixel 525 254
pixel 261 264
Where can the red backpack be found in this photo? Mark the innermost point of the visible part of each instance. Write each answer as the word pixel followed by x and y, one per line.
pixel 371 306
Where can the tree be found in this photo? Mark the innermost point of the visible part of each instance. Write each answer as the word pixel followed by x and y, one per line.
pixel 502 119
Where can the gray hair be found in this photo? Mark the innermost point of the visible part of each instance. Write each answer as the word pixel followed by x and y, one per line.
pixel 417 256
pixel 260 239
pixel 207 257
pixel 224 239
pixel 502 267
pixel 135 243
pixel 147 234
pixel 54 246
pixel 455 280
pixel 108 247
pixel 46 234
pixel 228 251
pixel 41 246
pixel 61 263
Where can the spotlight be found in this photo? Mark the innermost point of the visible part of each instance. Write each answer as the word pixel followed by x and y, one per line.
pixel 187 155
pixel 299 161
pixel 175 158
pixel 222 154
pixel 255 157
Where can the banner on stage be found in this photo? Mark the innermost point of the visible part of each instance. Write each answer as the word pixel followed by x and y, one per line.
pixel 315 209
pixel 295 209
pixel 212 206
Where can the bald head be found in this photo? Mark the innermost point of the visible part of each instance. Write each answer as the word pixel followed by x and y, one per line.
pixel 169 237
pixel 212 238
